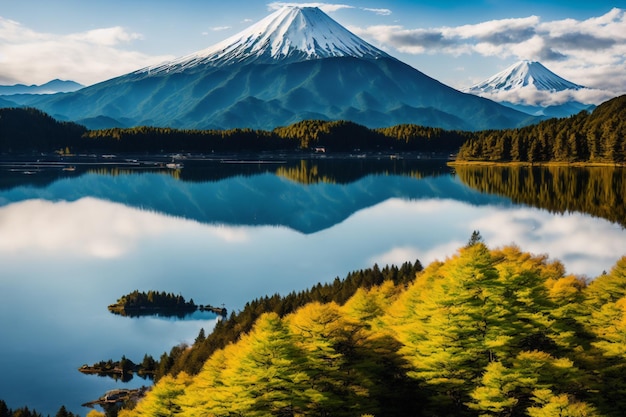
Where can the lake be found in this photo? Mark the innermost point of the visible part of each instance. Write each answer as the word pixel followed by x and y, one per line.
pixel 77 234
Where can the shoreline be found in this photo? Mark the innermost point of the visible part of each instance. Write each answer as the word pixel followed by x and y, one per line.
pixel 537 164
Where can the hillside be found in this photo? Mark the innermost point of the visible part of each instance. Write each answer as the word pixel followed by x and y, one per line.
pixel 486 332
pixel 597 137
pixel 31 130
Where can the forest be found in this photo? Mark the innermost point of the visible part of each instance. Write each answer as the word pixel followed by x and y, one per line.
pixel 485 332
pixel 30 130
pixel 597 137
pixel 5 411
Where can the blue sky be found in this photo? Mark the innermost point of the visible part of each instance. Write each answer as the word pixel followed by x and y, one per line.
pixel 457 42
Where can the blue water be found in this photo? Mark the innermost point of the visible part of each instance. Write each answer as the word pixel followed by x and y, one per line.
pixel 71 245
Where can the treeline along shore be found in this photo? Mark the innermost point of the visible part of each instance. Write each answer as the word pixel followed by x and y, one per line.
pixel 30 130
pixel 597 137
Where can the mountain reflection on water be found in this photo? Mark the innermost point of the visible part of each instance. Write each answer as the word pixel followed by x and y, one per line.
pixel 304 195
pixel 314 194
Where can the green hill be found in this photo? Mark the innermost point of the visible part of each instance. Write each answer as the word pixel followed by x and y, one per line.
pixel 597 137
pixel 31 130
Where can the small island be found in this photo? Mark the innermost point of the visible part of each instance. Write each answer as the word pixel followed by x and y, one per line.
pixel 122 369
pixel 138 304
pixel 113 398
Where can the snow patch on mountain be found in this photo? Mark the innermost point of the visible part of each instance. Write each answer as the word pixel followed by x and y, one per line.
pixel 291 34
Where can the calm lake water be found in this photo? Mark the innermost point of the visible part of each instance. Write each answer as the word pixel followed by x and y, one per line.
pixel 227 231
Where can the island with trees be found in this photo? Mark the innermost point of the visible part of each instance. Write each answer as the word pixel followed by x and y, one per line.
pixel 138 303
pixel 123 370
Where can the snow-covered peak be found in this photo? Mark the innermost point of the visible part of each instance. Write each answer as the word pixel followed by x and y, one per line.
pixel 524 74
pixel 290 34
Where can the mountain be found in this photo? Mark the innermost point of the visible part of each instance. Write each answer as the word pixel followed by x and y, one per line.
pixel 295 64
pixel 292 34
pixel 525 74
pixel 6 103
pixel 51 87
pixel 530 87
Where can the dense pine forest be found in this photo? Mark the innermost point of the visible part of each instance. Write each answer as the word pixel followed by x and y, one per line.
pixel 486 332
pixel 30 130
pixel 598 137
pixel 5 411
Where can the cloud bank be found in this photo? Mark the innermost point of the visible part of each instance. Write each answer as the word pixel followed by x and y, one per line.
pixel 590 52
pixel 29 56
pixel 529 95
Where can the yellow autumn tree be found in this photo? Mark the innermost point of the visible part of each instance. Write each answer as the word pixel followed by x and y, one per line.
pixel 163 400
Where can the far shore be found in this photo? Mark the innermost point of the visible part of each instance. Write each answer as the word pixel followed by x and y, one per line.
pixel 535 164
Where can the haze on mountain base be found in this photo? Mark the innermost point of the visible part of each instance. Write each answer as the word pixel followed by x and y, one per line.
pixel 51 87
pixel 296 64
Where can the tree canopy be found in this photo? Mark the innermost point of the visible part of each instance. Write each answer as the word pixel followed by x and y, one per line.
pixel 486 332
pixel 598 137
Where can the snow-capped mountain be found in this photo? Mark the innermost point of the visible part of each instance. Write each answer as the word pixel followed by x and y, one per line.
pixel 291 34
pixel 524 74
pixel 296 64
pixel 530 87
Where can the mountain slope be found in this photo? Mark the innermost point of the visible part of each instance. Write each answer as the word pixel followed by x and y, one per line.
pixel 296 64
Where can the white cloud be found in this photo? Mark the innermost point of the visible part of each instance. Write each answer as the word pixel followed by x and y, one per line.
pixel 70 227
pixel 220 28
pixel 381 12
pixel 106 36
pixel 32 57
pixel 592 52
pixel 531 96
pixel 564 237
pixel 326 7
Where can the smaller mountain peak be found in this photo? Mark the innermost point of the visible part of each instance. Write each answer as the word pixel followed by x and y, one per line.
pixel 522 74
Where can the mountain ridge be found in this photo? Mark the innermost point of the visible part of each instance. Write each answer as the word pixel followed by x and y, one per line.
pixel 51 87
